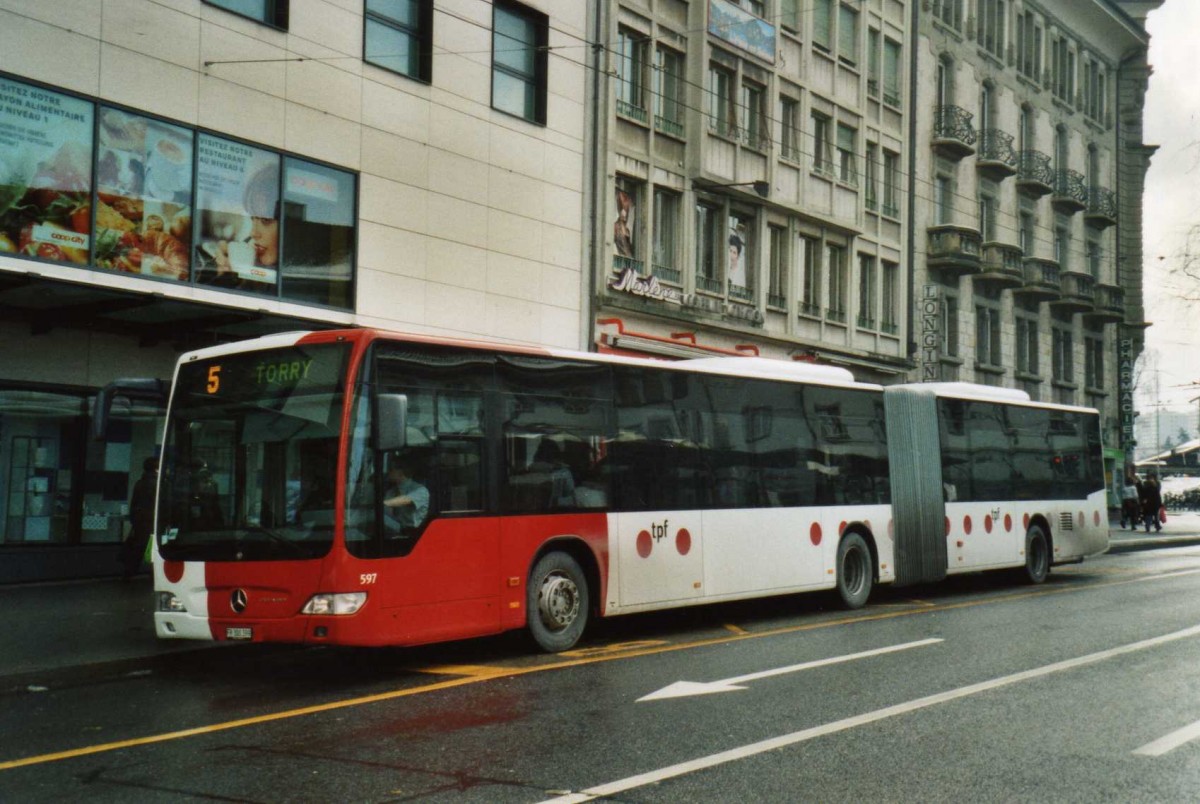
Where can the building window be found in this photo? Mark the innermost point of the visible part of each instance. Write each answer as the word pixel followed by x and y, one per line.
pixel 1062 69
pixel 777 276
pixel 847 34
pixel 822 146
pixel 987 335
pixel 949 323
pixel 992 25
pixel 1029 45
pixel 753 117
pixel 847 155
pixel 1027 345
pixel 711 247
pixel 666 234
pixel 631 74
pixel 668 91
pixel 722 119
pixel 1062 354
pixel 789 14
pixel 398 36
pixel 1062 244
pixel 873 62
pixel 519 37
pixel 1095 258
pixel 268 12
pixel 871 177
pixel 1093 352
pixel 822 35
pixel 866 291
pixel 742 256
pixel 891 184
pixel 889 298
pixel 627 238
pixel 789 121
pixel 1027 226
pixel 318 235
pixel 943 198
pixel 987 210
pixel 810 276
pixel 949 12
pixel 835 262
pixel 892 67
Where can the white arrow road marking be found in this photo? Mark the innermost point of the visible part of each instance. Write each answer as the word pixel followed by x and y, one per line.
pixel 796 737
pixel 1170 741
pixel 681 689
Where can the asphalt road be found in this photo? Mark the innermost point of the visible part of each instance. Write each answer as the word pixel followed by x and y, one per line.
pixel 1083 689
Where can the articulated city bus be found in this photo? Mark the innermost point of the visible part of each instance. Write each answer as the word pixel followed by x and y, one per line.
pixel 368 488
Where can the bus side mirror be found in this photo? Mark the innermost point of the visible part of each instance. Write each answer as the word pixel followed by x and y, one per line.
pixel 151 390
pixel 391 421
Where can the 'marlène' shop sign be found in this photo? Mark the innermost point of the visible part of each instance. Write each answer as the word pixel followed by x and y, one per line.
pixel 648 287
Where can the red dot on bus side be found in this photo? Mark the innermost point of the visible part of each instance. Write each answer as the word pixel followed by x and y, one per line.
pixel 1008 522
pixel 1096 518
pixel 947 526
pixel 644 544
pixel 1027 522
pixel 683 541
pixel 814 533
pixel 173 570
pixel 987 523
pixel 967 525
pixel 841 528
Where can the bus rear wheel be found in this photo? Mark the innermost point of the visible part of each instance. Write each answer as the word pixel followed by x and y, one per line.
pixel 1037 555
pixel 855 573
pixel 556 602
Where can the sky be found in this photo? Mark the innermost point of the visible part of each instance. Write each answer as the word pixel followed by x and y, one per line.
pixel 1172 210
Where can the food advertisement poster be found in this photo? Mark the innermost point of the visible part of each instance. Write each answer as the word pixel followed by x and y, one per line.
pixel 144 187
pixel 45 173
pixel 238 204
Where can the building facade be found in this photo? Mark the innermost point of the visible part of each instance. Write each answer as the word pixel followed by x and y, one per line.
pixel 177 173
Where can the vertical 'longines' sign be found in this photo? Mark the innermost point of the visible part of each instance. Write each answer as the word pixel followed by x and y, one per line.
pixel 931 334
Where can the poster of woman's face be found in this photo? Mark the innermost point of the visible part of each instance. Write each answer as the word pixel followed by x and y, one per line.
pixel 623 229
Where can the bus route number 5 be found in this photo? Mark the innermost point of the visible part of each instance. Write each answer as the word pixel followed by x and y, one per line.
pixel 214 379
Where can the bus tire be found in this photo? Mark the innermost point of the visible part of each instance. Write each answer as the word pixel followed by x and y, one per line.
pixel 557 602
pixel 855 571
pixel 1037 555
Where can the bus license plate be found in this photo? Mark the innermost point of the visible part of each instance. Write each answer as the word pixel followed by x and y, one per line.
pixel 239 633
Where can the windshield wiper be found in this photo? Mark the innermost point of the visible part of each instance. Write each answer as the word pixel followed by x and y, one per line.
pixel 275 536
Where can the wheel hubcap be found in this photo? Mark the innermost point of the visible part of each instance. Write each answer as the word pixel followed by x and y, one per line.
pixel 558 602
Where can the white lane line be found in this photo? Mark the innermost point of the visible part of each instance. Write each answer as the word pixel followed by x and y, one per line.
pixel 712 760
pixel 1170 741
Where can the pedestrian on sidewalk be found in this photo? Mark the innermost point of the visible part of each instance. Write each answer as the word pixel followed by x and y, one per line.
pixel 1150 494
pixel 141 519
pixel 1130 504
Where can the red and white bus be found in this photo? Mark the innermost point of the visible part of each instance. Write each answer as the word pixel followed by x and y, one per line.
pixel 368 488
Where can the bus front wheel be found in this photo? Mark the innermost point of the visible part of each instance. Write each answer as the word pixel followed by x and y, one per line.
pixel 1037 554
pixel 556 602
pixel 855 573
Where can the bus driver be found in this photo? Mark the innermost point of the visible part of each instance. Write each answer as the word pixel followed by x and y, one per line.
pixel 405 501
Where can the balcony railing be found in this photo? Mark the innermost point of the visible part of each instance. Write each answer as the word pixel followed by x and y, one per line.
pixel 1110 305
pixel 953 135
pixel 996 159
pixel 622 264
pixel 708 284
pixel 1035 177
pixel 1042 279
pixel 741 294
pixel 1001 265
pixel 837 316
pixel 954 249
pixel 1070 191
pixel 668 126
pixel 667 274
pixel 1078 293
pixel 633 112
pixel 810 310
pixel 1101 207
pixel 776 300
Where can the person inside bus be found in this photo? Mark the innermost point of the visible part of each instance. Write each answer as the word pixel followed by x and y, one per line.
pixel 548 461
pixel 405 501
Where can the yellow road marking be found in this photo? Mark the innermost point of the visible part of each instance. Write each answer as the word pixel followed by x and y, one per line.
pixel 735 629
pixel 471 670
pixel 594 657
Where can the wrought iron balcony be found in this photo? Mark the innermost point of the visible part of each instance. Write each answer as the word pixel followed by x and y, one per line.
pixel 1078 293
pixel 996 159
pixel 1101 207
pixel 1070 191
pixel 1043 279
pixel 1110 305
pixel 1001 266
pixel 953 135
pixel 1035 177
pixel 954 249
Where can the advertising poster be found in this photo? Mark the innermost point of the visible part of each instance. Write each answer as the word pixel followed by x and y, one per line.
pixel 45 173
pixel 624 233
pixel 238 205
pixel 318 252
pixel 143 188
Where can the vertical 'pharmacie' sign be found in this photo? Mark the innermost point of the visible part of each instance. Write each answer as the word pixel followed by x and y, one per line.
pixel 1125 362
pixel 741 29
pixel 931 333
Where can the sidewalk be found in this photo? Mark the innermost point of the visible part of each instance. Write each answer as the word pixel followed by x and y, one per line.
pixel 80 624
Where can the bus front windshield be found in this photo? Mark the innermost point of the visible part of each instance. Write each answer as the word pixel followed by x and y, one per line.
pixel 251 452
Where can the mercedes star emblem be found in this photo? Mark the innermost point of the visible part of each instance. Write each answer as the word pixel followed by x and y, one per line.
pixel 237 601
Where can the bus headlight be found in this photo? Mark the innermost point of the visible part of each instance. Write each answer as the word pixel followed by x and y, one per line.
pixel 167 601
pixel 341 603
